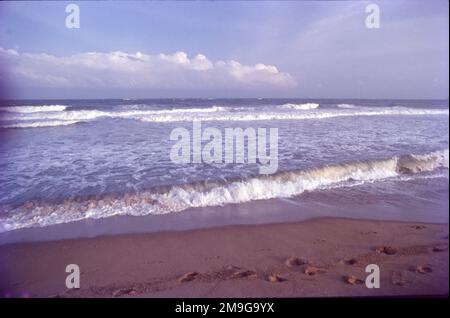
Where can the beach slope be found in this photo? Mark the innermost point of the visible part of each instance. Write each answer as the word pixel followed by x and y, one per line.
pixel 319 257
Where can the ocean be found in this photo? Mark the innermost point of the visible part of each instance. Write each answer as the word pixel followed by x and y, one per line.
pixel 63 161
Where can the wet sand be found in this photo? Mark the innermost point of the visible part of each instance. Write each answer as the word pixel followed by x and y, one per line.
pixel 319 257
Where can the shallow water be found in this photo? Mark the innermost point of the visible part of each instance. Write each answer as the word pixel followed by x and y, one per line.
pixel 64 161
pixel 421 200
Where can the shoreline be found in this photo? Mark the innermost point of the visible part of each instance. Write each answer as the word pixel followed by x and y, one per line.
pixel 363 202
pixel 301 259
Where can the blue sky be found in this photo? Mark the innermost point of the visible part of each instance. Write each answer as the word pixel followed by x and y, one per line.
pixel 225 49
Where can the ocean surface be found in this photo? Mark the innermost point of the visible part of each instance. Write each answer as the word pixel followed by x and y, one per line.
pixel 69 160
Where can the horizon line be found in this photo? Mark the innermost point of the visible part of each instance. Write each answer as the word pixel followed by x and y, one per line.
pixel 212 98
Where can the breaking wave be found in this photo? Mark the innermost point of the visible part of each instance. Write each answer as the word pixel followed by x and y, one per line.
pixel 346 106
pixel 51 117
pixel 252 116
pixel 84 115
pixel 33 109
pixel 40 124
pixel 181 197
pixel 305 106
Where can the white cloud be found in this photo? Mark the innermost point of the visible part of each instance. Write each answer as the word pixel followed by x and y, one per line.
pixel 139 70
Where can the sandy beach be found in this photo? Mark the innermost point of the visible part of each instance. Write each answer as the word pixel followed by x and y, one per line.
pixel 224 149
pixel 319 257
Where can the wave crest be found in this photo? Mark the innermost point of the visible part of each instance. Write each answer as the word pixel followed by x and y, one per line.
pixel 213 113
pixel 305 106
pixel 181 197
pixel 39 124
pixel 346 106
pixel 33 109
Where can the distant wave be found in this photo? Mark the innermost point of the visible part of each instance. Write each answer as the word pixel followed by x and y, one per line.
pixel 347 106
pixel 38 124
pixel 305 106
pixel 145 107
pixel 214 113
pixel 93 114
pixel 258 116
pixel 53 119
pixel 181 197
pixel 33 109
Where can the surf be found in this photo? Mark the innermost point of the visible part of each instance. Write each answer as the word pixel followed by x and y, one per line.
pixel 177 198
pixel 33 109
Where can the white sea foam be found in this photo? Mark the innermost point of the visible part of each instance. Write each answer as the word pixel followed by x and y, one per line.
pixel 33 109
pixel 305 106
pixel 252 116
pixel 37 124
pixel 181 197
pixel 151 110
pixel 346 106
pixel 85 115
pixel 214 113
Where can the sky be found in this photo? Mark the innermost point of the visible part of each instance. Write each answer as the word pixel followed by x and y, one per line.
pixel 302 49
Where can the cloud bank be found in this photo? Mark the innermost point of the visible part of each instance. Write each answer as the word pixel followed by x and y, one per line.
pixel 138 70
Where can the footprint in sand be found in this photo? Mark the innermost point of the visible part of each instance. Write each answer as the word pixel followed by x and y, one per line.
pixel 388 250
pixel 124 292
pixel 352 280
pixel 243 274
pixel 277 277
pixel 422 269
pixel 312 270
pixel 418 227
pixel 295 262
pixel 307 268
pixel 399 279
pixel 350 261
pixel 188 277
